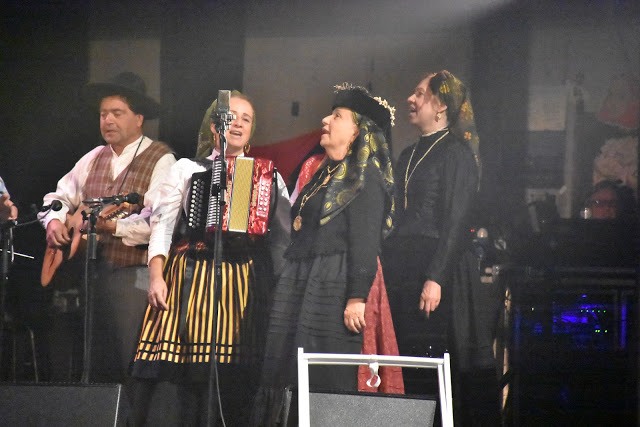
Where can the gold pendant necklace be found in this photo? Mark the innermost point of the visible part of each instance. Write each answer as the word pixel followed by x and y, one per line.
pixel 407 175
pixel 297 222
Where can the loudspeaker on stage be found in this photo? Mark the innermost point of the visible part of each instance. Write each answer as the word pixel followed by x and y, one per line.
pixel 51 404
pixel 370 409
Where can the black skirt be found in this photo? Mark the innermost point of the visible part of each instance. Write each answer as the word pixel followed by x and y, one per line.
pixel 308 312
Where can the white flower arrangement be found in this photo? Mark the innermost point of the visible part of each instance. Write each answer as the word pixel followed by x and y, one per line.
pixel 618 160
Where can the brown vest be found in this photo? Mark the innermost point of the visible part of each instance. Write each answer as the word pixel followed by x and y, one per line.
pixel 100 184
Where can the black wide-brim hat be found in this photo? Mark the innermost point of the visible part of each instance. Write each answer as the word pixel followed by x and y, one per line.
pixel 128 85
pixel 358 99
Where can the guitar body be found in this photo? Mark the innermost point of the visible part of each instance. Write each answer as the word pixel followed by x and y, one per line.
pixel 55 256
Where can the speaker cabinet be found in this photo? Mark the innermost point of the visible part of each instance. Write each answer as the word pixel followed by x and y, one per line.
pixel 370 409
pixel 62 404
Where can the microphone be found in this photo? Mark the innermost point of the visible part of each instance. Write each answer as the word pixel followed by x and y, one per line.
pixel 223 101
pixel 221 117
pixel 132 198
pixel 55 205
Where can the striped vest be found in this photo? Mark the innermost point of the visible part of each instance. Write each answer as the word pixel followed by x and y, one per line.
pixel 101 184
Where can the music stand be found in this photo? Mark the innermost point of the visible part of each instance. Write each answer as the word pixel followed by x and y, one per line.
pixel 6 322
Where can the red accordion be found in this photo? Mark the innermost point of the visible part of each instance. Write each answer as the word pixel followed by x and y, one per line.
pixel 248 198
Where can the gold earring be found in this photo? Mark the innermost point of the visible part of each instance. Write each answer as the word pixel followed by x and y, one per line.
pixel 438 116
pixel 246 149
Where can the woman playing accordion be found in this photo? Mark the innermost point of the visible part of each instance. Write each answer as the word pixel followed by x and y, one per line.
pixel 178 330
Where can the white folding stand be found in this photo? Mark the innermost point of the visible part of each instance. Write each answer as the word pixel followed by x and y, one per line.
pixel 441 364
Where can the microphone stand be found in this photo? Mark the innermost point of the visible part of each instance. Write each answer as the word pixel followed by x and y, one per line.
pixel 6 229
pixel 89 275
pixel 7 257
pixel 91 217
pixel 222 123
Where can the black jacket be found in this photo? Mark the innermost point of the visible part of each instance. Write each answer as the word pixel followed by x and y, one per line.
pixel 440 193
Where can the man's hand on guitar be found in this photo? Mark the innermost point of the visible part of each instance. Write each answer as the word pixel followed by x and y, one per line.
pixel 57 234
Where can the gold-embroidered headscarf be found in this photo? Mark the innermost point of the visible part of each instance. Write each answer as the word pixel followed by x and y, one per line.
pixel 455 96
pixel 374 117
pixel 206 142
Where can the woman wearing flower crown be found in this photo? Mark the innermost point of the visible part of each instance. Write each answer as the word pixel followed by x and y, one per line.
pixel 338 222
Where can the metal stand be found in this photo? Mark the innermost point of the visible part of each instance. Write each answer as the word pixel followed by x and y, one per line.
pixel 7 243
pixel 6 321
pixel 89 274
pixel 441 364
pixel 222 120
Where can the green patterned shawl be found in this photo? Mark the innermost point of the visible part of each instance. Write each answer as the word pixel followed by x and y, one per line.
pixel 370 149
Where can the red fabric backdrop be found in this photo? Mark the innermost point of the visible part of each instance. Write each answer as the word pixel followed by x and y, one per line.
pixel 288 154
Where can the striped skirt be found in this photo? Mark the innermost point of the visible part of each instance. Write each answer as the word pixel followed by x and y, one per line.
pixel 176 344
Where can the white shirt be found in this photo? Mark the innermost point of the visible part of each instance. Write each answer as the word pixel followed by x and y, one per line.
pixel 173 192
pixel 134 230
pixel 3 188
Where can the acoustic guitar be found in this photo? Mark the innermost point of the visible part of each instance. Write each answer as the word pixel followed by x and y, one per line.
pixel 76 226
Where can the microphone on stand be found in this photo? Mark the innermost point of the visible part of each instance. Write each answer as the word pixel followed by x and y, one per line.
pixel 221 117
pixel 132 198
pixel 55 205
pixel 222 121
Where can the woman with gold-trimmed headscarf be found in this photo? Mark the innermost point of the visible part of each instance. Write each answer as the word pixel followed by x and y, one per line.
pixel 178 330
pixel 437 301
pixel 338 223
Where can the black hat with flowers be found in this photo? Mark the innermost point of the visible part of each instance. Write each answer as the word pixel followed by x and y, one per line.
pixel 358 99
pixel 369 151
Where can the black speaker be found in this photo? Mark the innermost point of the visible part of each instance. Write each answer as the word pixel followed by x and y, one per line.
pixel 370 409
pixel 51 404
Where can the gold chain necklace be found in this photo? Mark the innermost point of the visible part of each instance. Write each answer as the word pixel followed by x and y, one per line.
pixel 297 222
pixel 407 175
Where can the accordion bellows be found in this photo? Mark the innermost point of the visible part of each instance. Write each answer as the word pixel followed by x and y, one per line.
pixel 248 197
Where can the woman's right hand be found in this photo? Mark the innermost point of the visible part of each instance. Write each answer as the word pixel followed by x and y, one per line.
pixel 157 285
pixel 158 294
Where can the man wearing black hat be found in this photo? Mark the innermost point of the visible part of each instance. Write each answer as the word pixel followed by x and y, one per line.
pixel 129 163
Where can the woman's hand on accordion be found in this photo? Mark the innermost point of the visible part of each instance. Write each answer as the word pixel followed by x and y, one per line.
pixel 157 286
